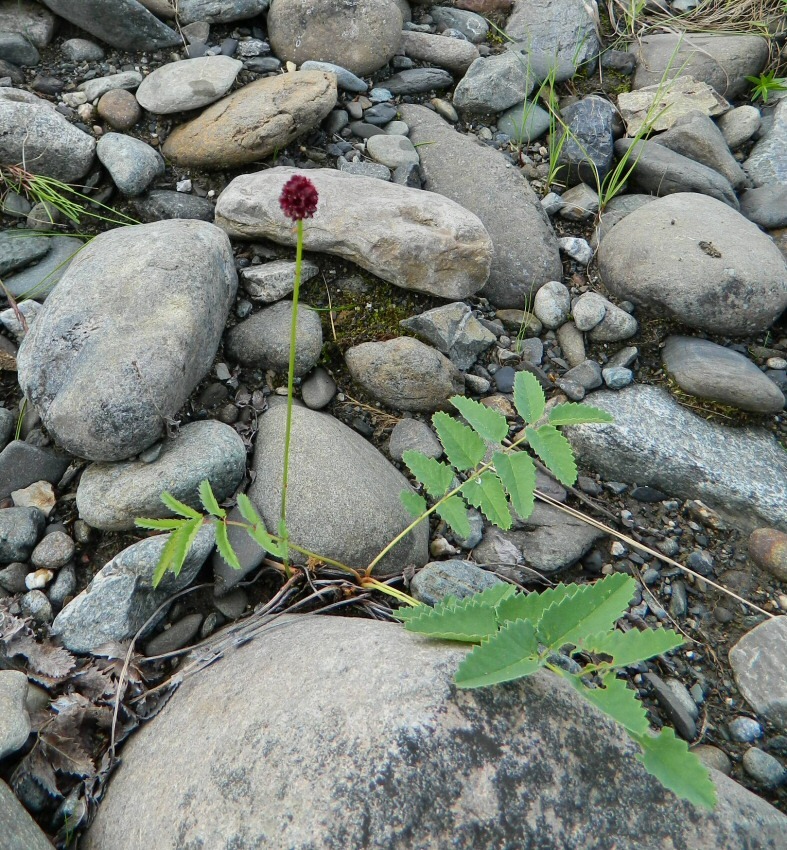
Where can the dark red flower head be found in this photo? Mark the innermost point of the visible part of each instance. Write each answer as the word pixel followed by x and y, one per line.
pixel 298 198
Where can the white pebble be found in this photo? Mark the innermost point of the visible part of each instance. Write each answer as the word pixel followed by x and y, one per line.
pixel 38 579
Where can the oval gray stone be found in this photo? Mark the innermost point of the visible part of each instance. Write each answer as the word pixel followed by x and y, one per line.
pixel 20 529
pixel 391 231
pixel 454 577
pixel 132 164
pixel 188 84
pixel 34 133
pixel 15 722
pixel 461 769
pixel 405 374
pixel 693 258
pixel 654 442
pixel 130 330
pixel 343 497
pixel 111 495
pixel 121 597
pixel 712 371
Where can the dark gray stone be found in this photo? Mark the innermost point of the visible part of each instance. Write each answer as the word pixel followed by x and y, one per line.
pixel 161 204
pixel 586 155
pixel 708 370
pixel 493 83
pixel 462 768
pixel 20 529
pixel 22 464
pixel 456 578
pixel 126 24
pixel 263 340
pixel 104 365
pixel 359 510
pixel 764 768
pixel 250 555
pixel 20 831
pixel 654 441
pixel 39 280
pixel 417 80
pixel 674 708
pixel 453 330
pixel 19 248
pixel 318 389
pixel 474 27
pixel 175 637
pixel 120 598
pixel 662 171
pixel 219 11
pixel 477 177
pixel 15 48
pixel 54 551
pixel 7 424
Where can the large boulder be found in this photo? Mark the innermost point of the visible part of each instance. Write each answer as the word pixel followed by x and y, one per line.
pixel 654 441
pixel 34 133
pixel 127 334
pixel 343 495
pixel 694 259
pixel 126 24
pixel 414 239
pixel 333 732
pixel 481 180
pixel 360 36
pixel 253 122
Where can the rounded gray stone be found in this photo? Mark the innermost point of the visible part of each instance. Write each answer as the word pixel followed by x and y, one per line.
pixel 552 304
pixel 454 577
pixel 218 11
pixel 188 84
pixel 20 529
pixel 318 389
pixel 39 280
pixel 263 340
pixel 524 122
pixel 35 604
pixel 694 259
pixel 361 37
pixel 405 374
pixel 121 597
pixel 132 164
pixel 82 50
pixel 54 551
pixel 739 125
pixel 764 768
pixel 453 54
pixel 588 310
pixel 337 476
pixel 14 719
pixel 413 435
pixel 392 151
pixel 462 769
pixel 111 495
pixel 708 370
pixel 105 362
pixel 344 79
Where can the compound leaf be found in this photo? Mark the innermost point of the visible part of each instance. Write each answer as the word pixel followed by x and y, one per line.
pixel 616 700
pixel 509 654
pixel 225 548
pixel 177 548
pixel 469 620
pixel 593 608
pixel 490 424
pixel 486 492
pixel 668 759
pixel 435 476
pixel 529 398
pixel 518 474
pixel 264 540
pixel 572 413
pixel 454 512
pixel 531 606
pixel 555 451
pixel 178 507
pixel 630 647
pixel 415 504
pixel 464 448
pixel 208 499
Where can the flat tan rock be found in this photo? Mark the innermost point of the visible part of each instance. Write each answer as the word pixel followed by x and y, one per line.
pixel 254 121
pixel 414 239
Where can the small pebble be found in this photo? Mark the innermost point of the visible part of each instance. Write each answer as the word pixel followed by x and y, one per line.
pixel 744 729
pixel 38 579
pixel 764 768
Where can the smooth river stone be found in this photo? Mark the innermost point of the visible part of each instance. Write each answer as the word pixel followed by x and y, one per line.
pixel 188 84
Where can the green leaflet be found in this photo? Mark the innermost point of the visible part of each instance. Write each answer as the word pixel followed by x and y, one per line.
pixel 593 608
pixel 630 647
pixel 509 654
pixel 486 492
pixel 223 545
pixel 415 504
pixel 669 760
pixel 248 511
pixel 454 512
pixel 490 424
pixel 518 474
pixel 531 606
pixel 572 413
pixel 208 499
pixel 265 541
pixel 158 524
pixel 177 548
pixel 555 451
pixel 178 507
pixel 469 620
pixel 616 700
pixel 529 398
pixel 463 447
pixel 435 476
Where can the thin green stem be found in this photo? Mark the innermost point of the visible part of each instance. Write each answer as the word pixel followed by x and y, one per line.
pixel 284 534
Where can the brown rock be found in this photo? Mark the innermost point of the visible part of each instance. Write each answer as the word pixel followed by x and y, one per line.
pixel 119 108
pixel 254 121
pixel 768 549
